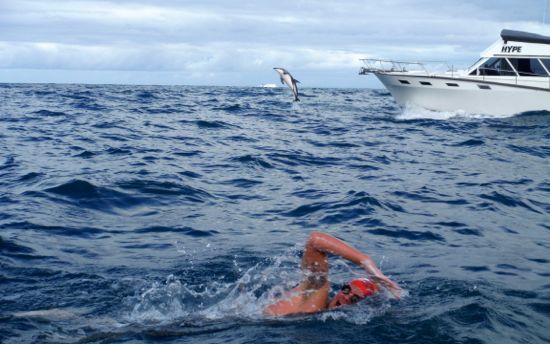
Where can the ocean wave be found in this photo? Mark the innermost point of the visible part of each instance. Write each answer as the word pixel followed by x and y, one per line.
pixel 508 201
pixel 166 189
pixel 254 161
pixel 204 124
pixel 84 194
pixel 470 143
pixel 50 113
pixel 8 163
pixel 81 232
pixel 427 196
pixel 408 234
pixel 180 230
pixel 355 205
pixel 76 189
pixel 10 247
pixel 539 152
pixel 297 158
pixel 243 183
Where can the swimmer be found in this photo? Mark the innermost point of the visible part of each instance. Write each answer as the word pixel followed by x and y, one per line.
pixel 312 294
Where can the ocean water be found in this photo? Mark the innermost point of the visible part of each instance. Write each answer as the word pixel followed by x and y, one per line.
pixel 133 214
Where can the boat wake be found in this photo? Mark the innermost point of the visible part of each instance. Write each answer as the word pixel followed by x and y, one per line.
pixel 411 112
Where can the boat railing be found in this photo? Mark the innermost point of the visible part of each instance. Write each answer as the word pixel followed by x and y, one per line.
pixel 434 68
pixel 421 67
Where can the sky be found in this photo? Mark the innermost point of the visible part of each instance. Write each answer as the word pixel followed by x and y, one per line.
pixel 237 43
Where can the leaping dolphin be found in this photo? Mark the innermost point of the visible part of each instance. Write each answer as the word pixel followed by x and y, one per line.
pixel 287 79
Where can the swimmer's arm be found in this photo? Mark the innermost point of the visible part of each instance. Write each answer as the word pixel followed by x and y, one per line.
pixel 375 275
pixel 329 244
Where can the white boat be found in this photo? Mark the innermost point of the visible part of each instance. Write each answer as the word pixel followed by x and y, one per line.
pixel 512 76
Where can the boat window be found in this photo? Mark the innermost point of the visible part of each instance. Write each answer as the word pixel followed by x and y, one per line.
pixel 478 64
pixel 496 66
pixel 528 67
pixel 406 82
pixel 425 83
pixel 546 63
pixel 451 84
pixel 481 58
pixel 484 87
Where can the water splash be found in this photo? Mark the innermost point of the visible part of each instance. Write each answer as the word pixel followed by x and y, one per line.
pixel 161 302
pixel 262 284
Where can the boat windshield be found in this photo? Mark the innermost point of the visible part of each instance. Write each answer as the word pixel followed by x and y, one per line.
pixel 497 67
pixel 528 67
pixel 533 67
pixel 546 63
pixel 475 63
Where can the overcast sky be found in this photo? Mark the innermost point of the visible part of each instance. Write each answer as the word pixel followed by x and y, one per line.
pixel 239 42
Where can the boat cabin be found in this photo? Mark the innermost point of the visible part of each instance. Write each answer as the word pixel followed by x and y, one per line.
pixel 518 54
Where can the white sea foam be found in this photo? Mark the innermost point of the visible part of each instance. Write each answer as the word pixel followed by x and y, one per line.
pixel 416 112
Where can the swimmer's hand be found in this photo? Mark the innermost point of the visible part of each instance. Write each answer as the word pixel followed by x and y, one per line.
pixel 375 275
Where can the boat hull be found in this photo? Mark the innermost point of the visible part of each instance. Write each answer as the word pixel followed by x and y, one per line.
pixel 471 96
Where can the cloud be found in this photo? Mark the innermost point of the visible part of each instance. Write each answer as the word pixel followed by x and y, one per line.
pixel 216 57
pixel 210 38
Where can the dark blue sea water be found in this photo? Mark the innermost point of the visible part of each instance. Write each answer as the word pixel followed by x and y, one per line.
pixel 134 214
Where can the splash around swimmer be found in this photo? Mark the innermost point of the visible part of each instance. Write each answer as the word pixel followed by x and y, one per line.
pixel 312 293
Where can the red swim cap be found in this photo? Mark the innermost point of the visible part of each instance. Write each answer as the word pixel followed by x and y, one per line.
pixel 367 287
